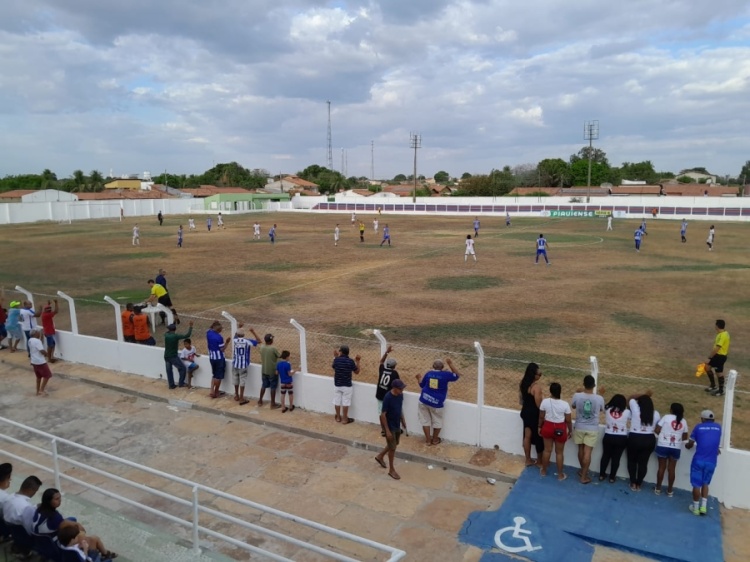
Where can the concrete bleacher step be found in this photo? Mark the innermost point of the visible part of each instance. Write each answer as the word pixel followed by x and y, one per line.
pixel 133 540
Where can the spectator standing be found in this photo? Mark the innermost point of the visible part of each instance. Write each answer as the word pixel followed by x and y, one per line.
pixel 241 361
pixel 387 373
pixel 641 439
pixel 671 431
pixel 707 436
pixel 38 357
pixel 531 397
pixel 392 419
pixel 161 278
pixel 126 317
pixel 172 354
pixel 13 325
pixel 28 320
pixel 343 370
pixel 187 356
pixel 216 347
pixel 285 372
pixel 434 385
pixel 717 358
pixel 617 416
pixel 48 326
pixel 588 405
pixel 269 355
pixel 141 327
pixel 555 427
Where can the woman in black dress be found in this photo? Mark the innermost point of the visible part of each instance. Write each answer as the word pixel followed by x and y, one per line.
pixel 531 397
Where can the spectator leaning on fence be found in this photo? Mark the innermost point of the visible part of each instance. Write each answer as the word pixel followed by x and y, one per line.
pixel 172 354
pixel 216 346
pixel 531 397
pixel 13 325
pixel 434 385
pixel 588 405
pixel 343 370
pixel 555 427
pixel 707 436
pixel 48 326
pixel 269 355
pixel 28 320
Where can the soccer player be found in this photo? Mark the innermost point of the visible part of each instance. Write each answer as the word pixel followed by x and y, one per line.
pixel 638 236
pixel 683 230
pixel 476 227
pixel 609 223
pixel 161 218
pixel 469 249
pixel 507 218
pixel 336 235
pixel 220 221
pixel 643 227
pixel 386 235
pixel 375 224
pixel 354 219
pixel 136 236
pixel 208 223
pixel 256 231
pixel 179 237
pixel 191 224
pixel 272 234
pixel 710 239
pixel 361 231
pixel 541 248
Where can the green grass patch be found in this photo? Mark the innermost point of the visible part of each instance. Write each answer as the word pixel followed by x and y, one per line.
pixel 514 331
pixel 133 256
pixel 638 322
pixel 470 283
pixel 276 266
pixel 553 239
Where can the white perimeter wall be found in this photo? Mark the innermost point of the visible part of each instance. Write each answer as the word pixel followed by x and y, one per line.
pixel 498 427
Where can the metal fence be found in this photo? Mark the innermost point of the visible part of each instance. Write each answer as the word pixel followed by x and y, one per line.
pixel 502 369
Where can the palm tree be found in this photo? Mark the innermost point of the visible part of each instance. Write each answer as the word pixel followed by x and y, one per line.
pixel 97 180
pixel 48 178
pixel 79 181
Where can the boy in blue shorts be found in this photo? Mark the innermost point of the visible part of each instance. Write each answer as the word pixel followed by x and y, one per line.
pixel 707 436
pixel 541 248
pixel 285 372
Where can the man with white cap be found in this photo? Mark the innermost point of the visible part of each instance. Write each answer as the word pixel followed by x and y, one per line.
pixel 707 436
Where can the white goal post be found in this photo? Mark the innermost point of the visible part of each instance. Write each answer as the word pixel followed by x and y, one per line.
pixel 85 210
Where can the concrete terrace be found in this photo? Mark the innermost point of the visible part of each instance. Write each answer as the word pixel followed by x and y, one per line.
pixel 298 462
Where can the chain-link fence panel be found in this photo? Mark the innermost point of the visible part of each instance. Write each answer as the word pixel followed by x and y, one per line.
pixel 320 348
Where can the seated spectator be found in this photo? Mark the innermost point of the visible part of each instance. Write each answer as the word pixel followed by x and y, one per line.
pixel 6 470
pixel 18 509
pixel 71 539
pixel 48 521
pixel 188 355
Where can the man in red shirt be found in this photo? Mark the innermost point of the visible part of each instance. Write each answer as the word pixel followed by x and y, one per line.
pixel 48 326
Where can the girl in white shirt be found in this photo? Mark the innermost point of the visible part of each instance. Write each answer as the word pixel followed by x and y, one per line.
pixel 615 440
pixel 554 427
pixel 641 439
pixel 672 430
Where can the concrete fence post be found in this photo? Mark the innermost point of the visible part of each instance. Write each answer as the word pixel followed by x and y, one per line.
pixel 726 434
pixel 72 310
pixel 302 345
pixel 594 369
pixel 382 340
pixel 480 390
pixel 118 318
pixel 233 324
pixel 28 294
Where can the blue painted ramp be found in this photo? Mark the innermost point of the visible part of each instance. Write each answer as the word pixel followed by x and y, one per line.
pixel 546 520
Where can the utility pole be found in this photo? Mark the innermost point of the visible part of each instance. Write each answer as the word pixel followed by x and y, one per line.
pixel 330 139
pixel 372 160
pixel 590 133
pixel 416 144
pixel 343 169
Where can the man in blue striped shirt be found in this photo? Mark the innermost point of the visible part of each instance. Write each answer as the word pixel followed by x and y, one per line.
pixel 541 248
pixel 216 346
pixel 241 361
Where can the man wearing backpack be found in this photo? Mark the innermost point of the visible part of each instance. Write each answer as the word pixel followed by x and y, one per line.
pixel 588 406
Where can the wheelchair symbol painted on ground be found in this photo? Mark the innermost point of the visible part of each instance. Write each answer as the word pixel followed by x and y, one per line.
pixel 517 533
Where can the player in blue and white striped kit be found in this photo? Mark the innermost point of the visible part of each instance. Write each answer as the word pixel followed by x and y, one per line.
pixel 638 236
pixel 541 248
pixel 683 230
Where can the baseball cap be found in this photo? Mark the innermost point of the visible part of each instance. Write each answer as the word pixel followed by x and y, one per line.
pixel 707 415
pixel 398 383
pixel 14 304
pixel 390 363
pixel 268 338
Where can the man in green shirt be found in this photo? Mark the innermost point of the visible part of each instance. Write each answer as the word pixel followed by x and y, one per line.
pixel 171 353
pixel 269 356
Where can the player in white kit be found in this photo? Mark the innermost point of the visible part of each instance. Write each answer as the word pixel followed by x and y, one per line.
pixel 136 236
pixel 469 248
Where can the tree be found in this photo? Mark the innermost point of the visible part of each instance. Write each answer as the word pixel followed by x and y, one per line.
pixel 96 180
pixel 685 179
pixel 744 176
pixel 465 176
pixel 579 170
pixel 554 172
pixel 639 171
pixel 442 177
pixel 495 184
pixel 597 155
pixel 49 179
pixel 79 181
pixel 399 177
pixel 525 175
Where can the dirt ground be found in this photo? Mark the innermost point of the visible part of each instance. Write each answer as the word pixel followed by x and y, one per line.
pixel 648 317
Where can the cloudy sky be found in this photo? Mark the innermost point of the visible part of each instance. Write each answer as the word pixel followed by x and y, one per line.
pixel 182 85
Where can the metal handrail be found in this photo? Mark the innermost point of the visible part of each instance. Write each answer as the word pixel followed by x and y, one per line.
pixel 395 554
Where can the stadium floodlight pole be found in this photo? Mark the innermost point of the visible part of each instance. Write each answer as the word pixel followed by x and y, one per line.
pixel 416 143
pixel 590 133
